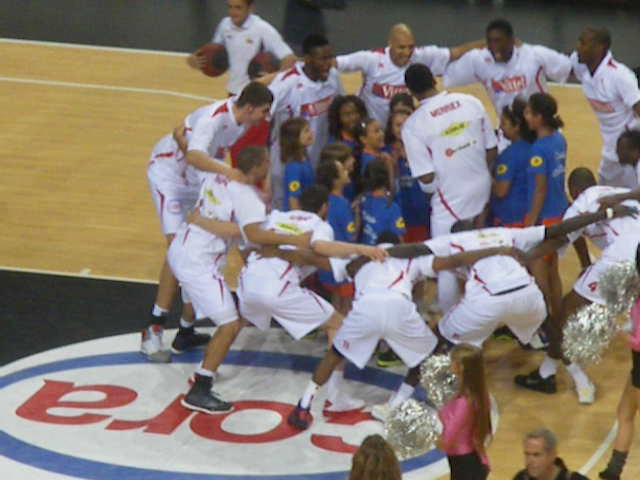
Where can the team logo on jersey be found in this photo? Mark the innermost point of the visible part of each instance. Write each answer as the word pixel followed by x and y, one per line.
pixel 387 91
pixel 510 85
pixel 351 228
pixel 317 108
pixel 400 224
pixel 449 107
pixel 501 169
pixel 287 227
pixel 212 198
pixel 294 186
pixel 536 161
pixel 456 129
pixel 174 206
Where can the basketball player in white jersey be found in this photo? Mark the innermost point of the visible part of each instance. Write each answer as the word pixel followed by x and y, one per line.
pixel 382 310
pixel 208 132
pixel 306 90
pixel 628 151
pixel 450 145
pixel 618 239
pixel 244 34
pixel 612 90
pixel 383 69
pixel 507 70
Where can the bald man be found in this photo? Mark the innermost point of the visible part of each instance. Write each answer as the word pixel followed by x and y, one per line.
pixel 383 69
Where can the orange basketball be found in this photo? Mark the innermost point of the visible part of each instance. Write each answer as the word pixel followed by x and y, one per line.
pixel 217 60
pixel 263 62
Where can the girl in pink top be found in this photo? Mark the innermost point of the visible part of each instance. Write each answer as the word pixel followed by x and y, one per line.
pixel 466 418
pixel 630 400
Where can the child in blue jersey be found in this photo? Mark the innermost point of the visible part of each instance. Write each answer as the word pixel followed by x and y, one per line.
pixel 509 201
pixel 332 174
pixel 547 200
pixel 345 112
pixel 413 202
pixel 343 154
pixel 295 137
pixel 379 212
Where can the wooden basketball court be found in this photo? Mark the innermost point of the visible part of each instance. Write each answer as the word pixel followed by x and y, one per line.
pixel 78 127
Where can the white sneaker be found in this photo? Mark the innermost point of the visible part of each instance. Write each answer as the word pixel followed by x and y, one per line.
pixel 381 411
pixel 587 394
pixel 344 403
pixel 151 345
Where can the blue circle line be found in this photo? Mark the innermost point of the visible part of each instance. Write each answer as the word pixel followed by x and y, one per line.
pixel 42 458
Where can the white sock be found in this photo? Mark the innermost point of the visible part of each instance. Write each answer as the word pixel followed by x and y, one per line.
pixel 335 384
pixel 578 375
pixel 158 312
pixel 404 393
pixel 204 372
pixel 549 367
pixel 310 391
pixel 185 324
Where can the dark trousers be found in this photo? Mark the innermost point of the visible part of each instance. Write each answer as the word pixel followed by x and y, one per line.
pixel 467 467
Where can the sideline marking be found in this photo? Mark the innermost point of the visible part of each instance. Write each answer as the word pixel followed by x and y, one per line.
pixel 77 275
pixel 105 87
pixel 92 47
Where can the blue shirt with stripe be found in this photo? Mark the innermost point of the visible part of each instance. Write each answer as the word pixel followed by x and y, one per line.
pixel 342 220
pixel 380 215
pixel 298 176
pixel 511 166
pixel 413 202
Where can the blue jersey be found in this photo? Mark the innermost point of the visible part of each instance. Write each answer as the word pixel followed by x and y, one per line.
pixel 380 215
pixel 366 158
pixel 350 142
pixel 548 157
pixel 511 166
pixel 298 176
pixel 342 220
pixel 413 202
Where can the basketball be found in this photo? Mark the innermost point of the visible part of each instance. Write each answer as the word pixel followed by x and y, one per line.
pixel 217 59
pixel 263 62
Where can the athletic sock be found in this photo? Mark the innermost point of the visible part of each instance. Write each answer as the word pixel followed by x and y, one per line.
pixel 334 385
pixel 549 367
pixel 159 311
pixel 185 327
pixel 578 375
pixel 307 397
pixel 159 316
pixel 203 372
pixel 404 393
pixel 616 463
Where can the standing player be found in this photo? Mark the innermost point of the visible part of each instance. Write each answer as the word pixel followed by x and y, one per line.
pixel 383 69
pixel 507 70
pixel 450 144
pixel 209 131
pixel 612 91
pixel 244 34
pixel 617 238
pixel 628 150
pixel 306 90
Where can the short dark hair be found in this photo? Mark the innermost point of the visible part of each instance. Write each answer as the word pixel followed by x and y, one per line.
pixel 601 36
pixel 633 137
pixel 544 104
pixel 336 151
pixel 327 173
pixel 388 237
pixel 401 99
pixel 463 225
pixel 251 157
pixel 313 198
pixel 312 42
pixel 376 176
pixel 255 94
pixel 581 178
pixel 419 78
pixel 501 25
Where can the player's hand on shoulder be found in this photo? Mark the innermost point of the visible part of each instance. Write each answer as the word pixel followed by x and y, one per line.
pixel 237 176
pixel 374 253
pixel 621 210
pixel 517 254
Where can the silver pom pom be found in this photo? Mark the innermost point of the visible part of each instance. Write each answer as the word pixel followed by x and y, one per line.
pixel 588 333
pixel 619 286
pixel 412 429
pixel 438 380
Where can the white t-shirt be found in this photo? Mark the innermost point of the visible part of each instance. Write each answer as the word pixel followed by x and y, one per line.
pixel 215 129
pixel 449 134
pixel 293 222
pixel 393 275
pixel 296 95
pixel 382 79
pixel 213 202
pixel 603 233
pixel 525 73
pixel 245 42
pixel 612 92
pixel 248 207
pixel 491 274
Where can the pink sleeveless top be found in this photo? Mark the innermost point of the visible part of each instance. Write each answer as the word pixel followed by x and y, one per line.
pixel 635 324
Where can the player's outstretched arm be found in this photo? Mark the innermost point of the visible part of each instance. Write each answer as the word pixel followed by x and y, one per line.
pixel 180 137
pixel 344 249
pixel 299 256
pixel 217 227
pixel 409 250
pixel 580 221
pixel 255 234
pixel 612 200
pixel 456 52
pixel 202 161
pixel 469 258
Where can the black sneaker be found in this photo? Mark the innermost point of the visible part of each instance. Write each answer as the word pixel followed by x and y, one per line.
pixel 202 399
pixel 300 418
pixel 606 475
pixel 188 339
pixel 533 381
pixel 388 359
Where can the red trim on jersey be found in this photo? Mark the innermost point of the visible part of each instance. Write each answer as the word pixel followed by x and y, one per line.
pixel 397 280
pixel 613 230
pixel 313 295
pixel 379 50
pixel 459 247
pixel 221 289
pixel 289 268
pixel 186 235
pixel 161 200
pixel 538 82
pixel 224 108
pixel 611 63
pixel 446 205
pixel 293 71
pixel 164 155
pixel 430 152
pixel 408 265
